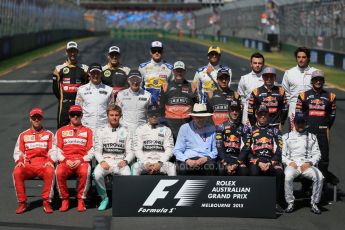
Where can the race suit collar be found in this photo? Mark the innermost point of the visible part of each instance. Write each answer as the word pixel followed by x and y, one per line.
pixel 256 74
pixel 69 63
pixel 156 63
pixel 302 70
pixel 109 66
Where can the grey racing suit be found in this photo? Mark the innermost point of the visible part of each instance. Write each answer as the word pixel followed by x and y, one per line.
pixel 112 145
pixel 153 144
pixel 301 148
pixel 94 99
pixel 134 106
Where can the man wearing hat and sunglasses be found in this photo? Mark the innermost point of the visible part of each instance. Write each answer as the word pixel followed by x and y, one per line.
pixel 301 154
pixel 34 155
pixel 67 78
pixel 114 74
pixel 74 144
pixel 319 106
pixel 205 77
pixel 195 147
pixel 155 72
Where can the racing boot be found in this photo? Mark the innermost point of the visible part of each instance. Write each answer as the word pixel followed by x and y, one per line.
pixel 315 209
pixel 47 207
pixel 21 207
pixel 64 205
pixel 289 208
pixel 81 205
pixel 104 204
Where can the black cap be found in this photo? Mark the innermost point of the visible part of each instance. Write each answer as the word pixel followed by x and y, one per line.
pixel 95 66
pixel 153 110
pixel 234 104
pixel 300 118
pixel 262 109
pixel 134 73
pixel 223 71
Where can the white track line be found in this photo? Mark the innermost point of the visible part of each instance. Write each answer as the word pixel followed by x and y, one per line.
pixel 25 81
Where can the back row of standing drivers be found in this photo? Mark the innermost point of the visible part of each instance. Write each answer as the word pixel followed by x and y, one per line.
pixel 210 85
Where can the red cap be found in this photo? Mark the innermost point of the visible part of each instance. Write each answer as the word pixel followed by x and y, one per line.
pixel 75 108
pixel 36 110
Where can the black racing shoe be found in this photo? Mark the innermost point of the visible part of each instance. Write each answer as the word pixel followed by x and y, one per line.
pixel 279 209
pixel 290 208
pixel 315 209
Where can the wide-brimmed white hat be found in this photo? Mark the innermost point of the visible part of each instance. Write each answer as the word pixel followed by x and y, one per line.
pixel 200 110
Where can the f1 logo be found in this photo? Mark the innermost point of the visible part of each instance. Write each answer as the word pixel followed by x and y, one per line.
pixel 186 195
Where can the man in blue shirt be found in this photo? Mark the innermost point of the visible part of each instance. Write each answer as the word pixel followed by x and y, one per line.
pixel 195 147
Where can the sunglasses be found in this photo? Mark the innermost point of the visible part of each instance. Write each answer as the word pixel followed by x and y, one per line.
pixel 156 51
pixel 223 78
pixel 36 117
pixel 75 114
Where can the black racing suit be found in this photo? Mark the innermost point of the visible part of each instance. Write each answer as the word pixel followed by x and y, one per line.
pixel 176 101
pixel 115 78
pixel 320 110
pixel 66 80
pixel 217 102
pixel 274 99
pixel 230 137
pixel 264 144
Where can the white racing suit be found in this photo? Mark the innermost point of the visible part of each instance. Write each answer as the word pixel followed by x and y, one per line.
pixel 301 148
pixel 152 145
pixel 247 84
pixel 295 81
pixel 112 145
pixel 134 106
pixel 94 99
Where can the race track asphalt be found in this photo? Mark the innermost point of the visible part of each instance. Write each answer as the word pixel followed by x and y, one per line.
pixel 19 92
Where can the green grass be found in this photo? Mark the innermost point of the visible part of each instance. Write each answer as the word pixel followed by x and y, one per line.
pixel 282 60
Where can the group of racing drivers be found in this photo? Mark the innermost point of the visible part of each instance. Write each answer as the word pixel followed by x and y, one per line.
pixel 153 121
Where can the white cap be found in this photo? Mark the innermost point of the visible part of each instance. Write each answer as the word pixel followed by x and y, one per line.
pixel 114 49
pixel 72 45
pixel 156 44
pixel 179 65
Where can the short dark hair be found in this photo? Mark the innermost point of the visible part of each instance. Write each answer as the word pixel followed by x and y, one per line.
pixel 113 107
pixel 304 50
pixel 257 55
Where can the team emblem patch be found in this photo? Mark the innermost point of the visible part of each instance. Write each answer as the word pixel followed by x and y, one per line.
pixel 107 73
pixel 65 70
pixel 68 133
pixel 28 138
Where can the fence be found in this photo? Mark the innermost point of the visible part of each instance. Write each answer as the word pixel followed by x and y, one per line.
pixel 317 24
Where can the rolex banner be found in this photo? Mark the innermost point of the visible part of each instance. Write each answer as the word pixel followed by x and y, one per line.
pixel 194 196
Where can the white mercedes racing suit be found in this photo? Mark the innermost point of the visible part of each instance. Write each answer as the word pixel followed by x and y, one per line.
pixel 155 74
pixel 247 84
pixel 111 145
pixel 94 99
pixel 204 82
pixel 295 81
pixel 152 145
pixel 134 106
pixel 301 148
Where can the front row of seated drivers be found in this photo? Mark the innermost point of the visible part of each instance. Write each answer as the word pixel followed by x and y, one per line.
pixel 201 149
